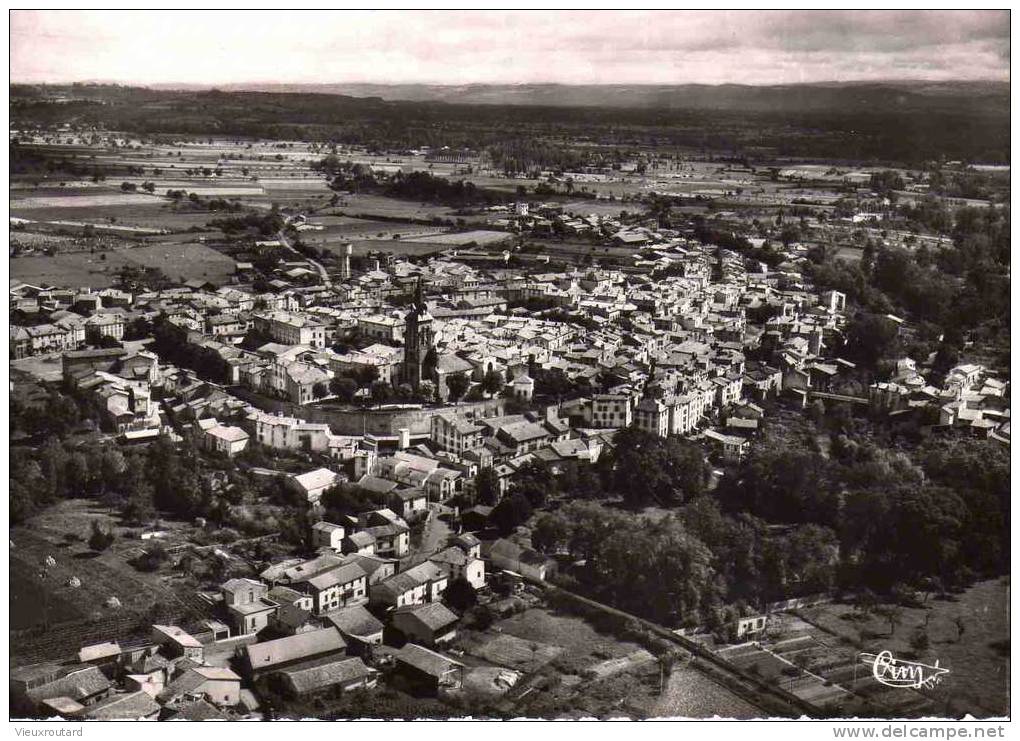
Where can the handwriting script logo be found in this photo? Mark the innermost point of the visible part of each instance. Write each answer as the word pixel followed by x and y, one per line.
pixel 894 672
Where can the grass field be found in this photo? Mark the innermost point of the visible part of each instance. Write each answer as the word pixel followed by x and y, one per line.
pixel 371 205
pixel 188 261
pixel 339 228
pixel 60 533
pixel 850 254
pixel 152 213
pixel 396 247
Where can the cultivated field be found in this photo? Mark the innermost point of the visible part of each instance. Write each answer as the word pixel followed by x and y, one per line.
pixel 98 270
pixel 457 239
pixel 566 668
pixel 43 593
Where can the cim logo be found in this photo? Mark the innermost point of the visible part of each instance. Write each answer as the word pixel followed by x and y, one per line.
pixel 894 672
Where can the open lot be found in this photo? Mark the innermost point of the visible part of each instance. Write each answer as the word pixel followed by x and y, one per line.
pixel 41 367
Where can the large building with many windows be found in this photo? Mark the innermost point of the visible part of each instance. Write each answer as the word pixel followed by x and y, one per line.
pixel 291 329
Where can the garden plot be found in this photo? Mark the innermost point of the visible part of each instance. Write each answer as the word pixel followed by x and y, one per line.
pixel 515 653
pixel 978 660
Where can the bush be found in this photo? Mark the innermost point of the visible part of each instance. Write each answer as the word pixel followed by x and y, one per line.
pixel 482 617
pixel 151 559
pixel 100 540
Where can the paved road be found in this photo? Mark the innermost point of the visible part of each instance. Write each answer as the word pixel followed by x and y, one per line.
pixel 435 535
pixel 317 265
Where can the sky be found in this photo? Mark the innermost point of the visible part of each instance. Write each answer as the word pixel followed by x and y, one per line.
pixel 497 47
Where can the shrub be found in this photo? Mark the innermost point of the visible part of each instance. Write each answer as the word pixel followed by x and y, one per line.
pixel 100 540
pixel 151 559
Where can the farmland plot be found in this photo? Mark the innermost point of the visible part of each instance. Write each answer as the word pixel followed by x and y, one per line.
pixel 188 261
pixel 92 200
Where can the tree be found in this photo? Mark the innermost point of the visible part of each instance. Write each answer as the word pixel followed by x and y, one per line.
pixel 511 512
pixel 652 469
pixel 961 627
pixel 553 383
pixel 427 391
pixel 77 474
pixel 99 540
pixel 138 508
pixel 550 532
pixel 53 461
pixel 893 615
pixel 487 487
pixel 366 375
pixel 343 387
pixel 870 338
pixel 381 392
pixel 535 481
pixel 320 390
pixel 347 499
pixel 111 466
pixel 492 382
pixel 460 595
pixel 457 385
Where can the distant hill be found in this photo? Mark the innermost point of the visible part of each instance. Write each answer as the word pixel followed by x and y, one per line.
pixel 852 122
pixel 810 97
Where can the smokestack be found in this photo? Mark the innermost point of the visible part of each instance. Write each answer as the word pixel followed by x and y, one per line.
pixel 345 262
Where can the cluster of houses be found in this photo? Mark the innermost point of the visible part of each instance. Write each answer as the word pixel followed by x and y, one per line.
pixel 305 628
pixel 665 347
pixel 50 320
pixel 970 398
